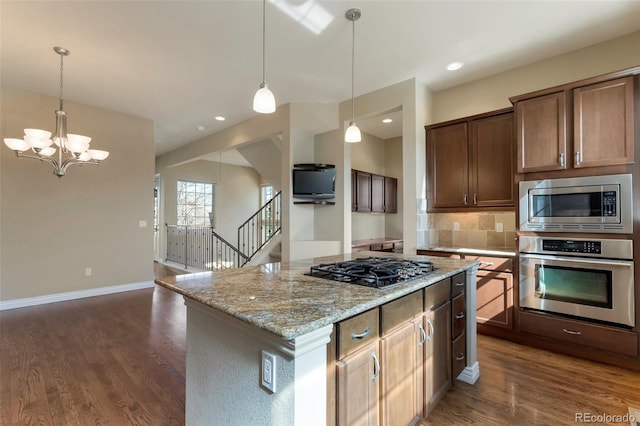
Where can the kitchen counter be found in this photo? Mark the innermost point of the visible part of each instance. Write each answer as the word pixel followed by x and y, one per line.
pixel 280 299
pixel 258 337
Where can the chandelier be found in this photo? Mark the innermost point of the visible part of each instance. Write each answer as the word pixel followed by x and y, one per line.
pixel 74 147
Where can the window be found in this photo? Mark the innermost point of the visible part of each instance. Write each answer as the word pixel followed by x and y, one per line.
pixel 195 203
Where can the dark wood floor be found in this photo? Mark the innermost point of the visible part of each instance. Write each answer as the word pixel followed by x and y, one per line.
pixel 120 360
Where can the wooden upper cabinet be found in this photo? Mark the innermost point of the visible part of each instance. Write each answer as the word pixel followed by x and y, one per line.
pixel 390 195
pixel 603 123
pixel 491 170
pixel 448 158
pixel 470 162
pixel 588 123
pixel 377 194
pixel 541 133
pixel 363 191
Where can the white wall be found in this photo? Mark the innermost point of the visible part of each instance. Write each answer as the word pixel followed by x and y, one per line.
pixel 53 228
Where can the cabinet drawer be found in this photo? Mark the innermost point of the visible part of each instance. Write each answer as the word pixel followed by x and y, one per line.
pixel 458 314
pixel 459 355
pixel 438 254
pixel 502 264
pixel 400 310
pixel 357 331
pixel 458 282
pixel 437 293
pixel 580 333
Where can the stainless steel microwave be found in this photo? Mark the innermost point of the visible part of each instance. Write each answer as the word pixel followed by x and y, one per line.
pixel 580 204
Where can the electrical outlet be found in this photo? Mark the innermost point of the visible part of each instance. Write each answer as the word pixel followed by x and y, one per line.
pixel 268 379
pixel 499 227
pixel 87 272
pixel 456 226
pixel 142 223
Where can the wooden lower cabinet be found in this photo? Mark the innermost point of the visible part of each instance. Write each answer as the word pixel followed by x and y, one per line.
pixel 495 299
pixel 401 378
pixel 357 392
pixel 437 355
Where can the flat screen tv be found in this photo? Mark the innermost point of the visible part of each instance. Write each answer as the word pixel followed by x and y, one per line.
pixel 314 184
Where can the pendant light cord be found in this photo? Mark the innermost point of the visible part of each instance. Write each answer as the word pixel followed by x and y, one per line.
pixel 61 82
pixel 353 55
pixel 264 8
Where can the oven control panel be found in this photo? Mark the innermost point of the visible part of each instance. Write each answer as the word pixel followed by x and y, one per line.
pixel 572 246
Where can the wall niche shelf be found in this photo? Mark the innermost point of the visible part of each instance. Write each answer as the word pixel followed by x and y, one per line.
pixel 321 202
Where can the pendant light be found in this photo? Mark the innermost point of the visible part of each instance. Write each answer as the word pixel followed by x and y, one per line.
pixel 263 101
pixel 352 134
pixel 75 147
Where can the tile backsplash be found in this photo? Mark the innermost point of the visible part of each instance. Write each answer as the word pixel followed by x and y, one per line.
pixel 472 230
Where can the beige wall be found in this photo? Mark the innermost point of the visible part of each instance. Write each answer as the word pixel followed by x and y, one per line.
pixel 52 229
pixel 237 193
pixel 493 92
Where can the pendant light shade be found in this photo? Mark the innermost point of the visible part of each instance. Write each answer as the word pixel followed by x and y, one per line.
pixel 352 134
pixel 263 101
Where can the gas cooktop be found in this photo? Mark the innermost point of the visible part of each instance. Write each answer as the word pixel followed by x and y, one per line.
pixel 378 272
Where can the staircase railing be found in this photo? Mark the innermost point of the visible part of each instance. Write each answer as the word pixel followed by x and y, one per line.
pixel 260 228
pixel 202 248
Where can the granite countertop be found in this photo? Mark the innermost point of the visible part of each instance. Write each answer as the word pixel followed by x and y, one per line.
pixel 369 241
pixel 489 251
pixel 279 298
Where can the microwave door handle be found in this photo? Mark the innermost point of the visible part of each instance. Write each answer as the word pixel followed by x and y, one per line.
pixel 590 260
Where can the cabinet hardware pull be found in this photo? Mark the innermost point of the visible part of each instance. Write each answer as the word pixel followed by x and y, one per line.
pixel 459 284
pixel 486 264
pixel 577 158
pixel 432 330
pixel 423 335
pixel 460 356
pixel 475 199
pixel 355 336
pixel 575 333
pixel 562 160
pixel 460 315
pixel 465 199
pixel 376 367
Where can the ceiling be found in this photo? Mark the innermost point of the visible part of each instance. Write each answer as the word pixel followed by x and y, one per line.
pixel 181 63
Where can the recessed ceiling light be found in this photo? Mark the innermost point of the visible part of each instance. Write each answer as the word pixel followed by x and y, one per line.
pixel 387 120
pixel 455 66
pixel 220 118
pixel 201 128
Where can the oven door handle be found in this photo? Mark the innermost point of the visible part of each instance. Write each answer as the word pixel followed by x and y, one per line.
pixel 586 260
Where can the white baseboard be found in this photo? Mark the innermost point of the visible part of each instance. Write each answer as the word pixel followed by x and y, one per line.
pixel 71 295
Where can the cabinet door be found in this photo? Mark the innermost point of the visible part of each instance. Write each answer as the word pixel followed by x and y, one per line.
pixel 447 160
pixel 603 123
pixel 377 194
pixel 363 181
pixel 437 355
pixel 492 153
pixel 390 195
pixel 401 375
pixel 541 133
pixel 495 299
pixel 358 390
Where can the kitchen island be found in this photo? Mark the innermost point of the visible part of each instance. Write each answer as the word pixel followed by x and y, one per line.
pixel 236 315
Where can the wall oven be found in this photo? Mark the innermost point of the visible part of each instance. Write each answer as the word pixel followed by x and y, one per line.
pixel 585 278
pixel 580 204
